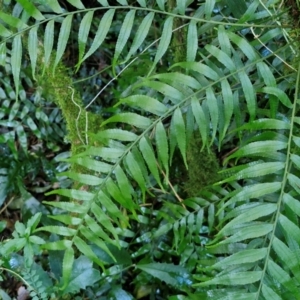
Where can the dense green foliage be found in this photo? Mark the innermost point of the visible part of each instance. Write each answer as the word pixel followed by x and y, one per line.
pixel 184 167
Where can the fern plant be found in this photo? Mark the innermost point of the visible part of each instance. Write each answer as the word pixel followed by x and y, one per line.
pixel 232 81
pixel 29 128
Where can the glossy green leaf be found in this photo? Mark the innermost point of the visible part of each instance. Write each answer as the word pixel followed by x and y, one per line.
pixel 222 57
pixel 68 206
pixel 116 193
pixel 268 293
pixel 266 74
pixel 281 95
pixel 192 42
pixel 244 46
pixel 31 10
pixel 67 219
pixel 148 154
pixel 124 185
pixel 124 34
pixel 4 32
pixel 67 266
pixel 269 80
pixel 169 273
pixel 60 230
pixel 178 78
pixel 147 103
pixel 238 296
pixel 83 275
pixel 93 237
pixel 164 42
pixel 111 207
pixel 12 114
pixel 83 178
pixel 290 228
pixel 48 41
pixel 242 257
pixel 16 57
pixel 92 164
pixel 136 171
pixel 2 53
pixel 249 232
pixel 83 33
pixel 200 119
pixel 117 134
pixel 296 140
pixel 294 181
pixel 76 3
pixel 104 220
pixel 142 3
pixel 266 124
pixel 162 146
pixel 58 245
pixel 249 93
pixel 54 5
pixel 282 277
pixel 11 21
pixel 200 68
pixel 33 48
pixel 63 38
pixel 237 8
pixel 161 4
pixel 208 8
pixel 141 162
pixel 254 191
pixel 180 132
pixel 98 230
pixel 72 193
pixel 84 248
pixel 103 2
pixel 287 256
pixel 293 203
pixel 251 214
pixel 131 119
pixel 33 222
pixel 122 2
pixel 108 154
pixel 260 147
pixel 228 105
pixel 296 160
pixel 101 33
pixel 172 141
pixel 212 104
pixel 22 138
pixel 211 217
pixel 259 169
pixel 239 278
pixel 167 90
pixel 181 5
pixel 224 40
pixel 13 245
pixel 141 33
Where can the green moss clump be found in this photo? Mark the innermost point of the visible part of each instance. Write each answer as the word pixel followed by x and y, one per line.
pixel 58 87
pixel 203 167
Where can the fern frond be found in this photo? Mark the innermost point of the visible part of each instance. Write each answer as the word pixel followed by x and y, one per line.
pixel 229 81
pixel 261 222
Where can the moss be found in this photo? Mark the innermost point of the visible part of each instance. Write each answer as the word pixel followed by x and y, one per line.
pixel 58 87
pixel 203 167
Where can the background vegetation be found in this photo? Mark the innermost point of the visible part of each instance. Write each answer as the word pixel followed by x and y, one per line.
pixel 149 149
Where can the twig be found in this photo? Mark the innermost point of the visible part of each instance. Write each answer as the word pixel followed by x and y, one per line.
pixel 171 186
pixel 5 206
